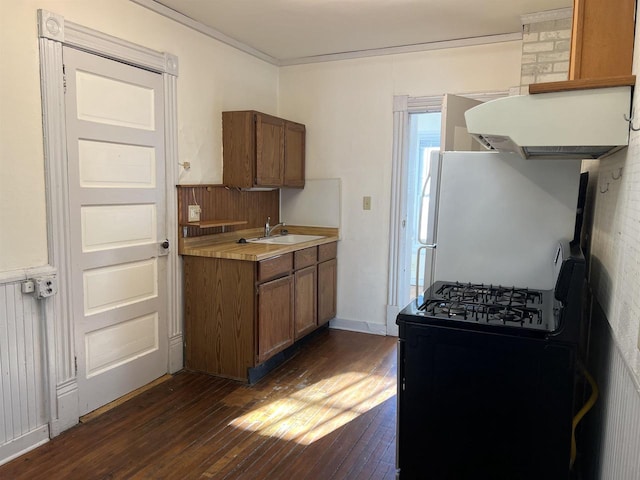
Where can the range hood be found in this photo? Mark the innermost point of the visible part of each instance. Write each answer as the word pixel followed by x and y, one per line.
pixel 575 124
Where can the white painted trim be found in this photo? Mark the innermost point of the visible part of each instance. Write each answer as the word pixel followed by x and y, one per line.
pixel 55 27
pixel 546 16
pixel 420 47
pixel 174 266
pixel 358 326
pixel 13 276
pixel 23 444
pixel 54 32
pixel 398 218
pixel 204 29
pixel 60 351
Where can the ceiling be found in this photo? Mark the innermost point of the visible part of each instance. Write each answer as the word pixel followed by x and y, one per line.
pixel 291 31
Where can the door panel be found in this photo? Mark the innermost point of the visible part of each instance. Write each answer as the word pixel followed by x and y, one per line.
pixel 104 165
pixel 119 285
pixel 112 226
pixel 115 144
pixel 112 346
pixel 101 98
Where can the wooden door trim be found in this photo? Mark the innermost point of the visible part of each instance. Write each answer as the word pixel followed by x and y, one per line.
pixel 54 32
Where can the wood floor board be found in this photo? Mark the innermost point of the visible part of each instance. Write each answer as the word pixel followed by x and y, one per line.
pixel 327 414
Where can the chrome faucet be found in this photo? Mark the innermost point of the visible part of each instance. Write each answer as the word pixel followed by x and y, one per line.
pixel 268 229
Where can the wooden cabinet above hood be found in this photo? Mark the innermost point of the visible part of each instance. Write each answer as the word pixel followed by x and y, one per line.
pixel 602 38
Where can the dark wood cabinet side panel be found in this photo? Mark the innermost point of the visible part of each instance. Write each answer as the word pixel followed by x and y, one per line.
pixel 219 316
pixel 327 290
pixel 239 148
pixel 305 311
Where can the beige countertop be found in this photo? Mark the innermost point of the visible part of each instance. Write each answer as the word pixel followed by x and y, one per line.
pixel 226 246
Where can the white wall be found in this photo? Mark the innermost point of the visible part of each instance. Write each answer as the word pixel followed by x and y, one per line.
pixel 213 77
pixel 615 243
pixel 347 108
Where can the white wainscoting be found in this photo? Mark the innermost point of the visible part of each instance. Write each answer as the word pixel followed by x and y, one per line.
pixel 23 392
pixel 620 440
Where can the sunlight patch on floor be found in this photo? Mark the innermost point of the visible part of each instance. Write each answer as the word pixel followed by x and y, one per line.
pixel 314 411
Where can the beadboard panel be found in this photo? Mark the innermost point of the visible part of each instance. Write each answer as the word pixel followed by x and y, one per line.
pixel 620 441
pixel 609 439
pixel 22 386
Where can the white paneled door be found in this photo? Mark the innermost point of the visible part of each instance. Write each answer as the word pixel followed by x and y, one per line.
pixel 115 144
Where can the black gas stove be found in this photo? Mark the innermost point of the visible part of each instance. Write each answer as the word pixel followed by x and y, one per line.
pixel 491 305
pixel 486 378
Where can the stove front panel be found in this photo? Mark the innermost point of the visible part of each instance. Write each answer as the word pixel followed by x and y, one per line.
pixel 477 405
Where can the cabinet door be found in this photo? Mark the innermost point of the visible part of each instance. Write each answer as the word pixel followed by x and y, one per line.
pixel 294 154
pixel 269 150
pixel 275 317
pixel 238 149
pixel 305 301
pixel 327 290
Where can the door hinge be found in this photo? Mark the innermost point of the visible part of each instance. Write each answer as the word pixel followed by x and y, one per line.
pixel 64 79
pixel 75 363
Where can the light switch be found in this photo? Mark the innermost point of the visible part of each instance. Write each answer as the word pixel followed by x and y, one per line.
pixel 366 203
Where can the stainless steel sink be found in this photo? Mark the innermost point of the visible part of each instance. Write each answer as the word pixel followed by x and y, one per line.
pixel 290 239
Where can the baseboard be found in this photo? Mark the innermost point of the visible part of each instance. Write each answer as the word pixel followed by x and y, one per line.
pixel 25 443
pixel 176 354
pixel 358 326
pixel 66 414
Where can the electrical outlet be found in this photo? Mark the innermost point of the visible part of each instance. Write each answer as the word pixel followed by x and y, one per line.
pixel 45 286
pixel 194 213
pixel 366 203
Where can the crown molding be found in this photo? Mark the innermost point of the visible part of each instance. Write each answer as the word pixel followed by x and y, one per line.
pixel 204 29
pixel 420 47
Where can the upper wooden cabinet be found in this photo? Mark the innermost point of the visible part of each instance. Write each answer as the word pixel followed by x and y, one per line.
pixel 261 150
pixel 602 39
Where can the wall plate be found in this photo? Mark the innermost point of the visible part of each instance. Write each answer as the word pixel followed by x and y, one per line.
pixel 194 213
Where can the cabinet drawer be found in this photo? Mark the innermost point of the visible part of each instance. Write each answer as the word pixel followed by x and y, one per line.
pixel 275 267
pixel 305 257
pixel 327 251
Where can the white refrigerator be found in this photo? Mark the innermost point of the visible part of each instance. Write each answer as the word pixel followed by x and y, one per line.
pixel 496 219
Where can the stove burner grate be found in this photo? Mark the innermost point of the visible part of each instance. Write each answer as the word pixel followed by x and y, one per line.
pixel 488 304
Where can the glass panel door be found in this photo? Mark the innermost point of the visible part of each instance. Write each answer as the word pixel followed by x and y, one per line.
pixel 424 137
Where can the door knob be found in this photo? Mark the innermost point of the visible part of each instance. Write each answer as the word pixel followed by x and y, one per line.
pixel 165 244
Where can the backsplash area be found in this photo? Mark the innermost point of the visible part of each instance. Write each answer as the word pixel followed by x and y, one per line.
pixel 546 42
pixel 240 208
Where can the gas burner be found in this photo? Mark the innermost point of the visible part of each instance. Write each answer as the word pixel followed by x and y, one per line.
pixel 449 309
pixel 479 303
pixel 512 315
pixel 516 296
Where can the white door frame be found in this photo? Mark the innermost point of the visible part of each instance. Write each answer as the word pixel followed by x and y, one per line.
pixel 54 32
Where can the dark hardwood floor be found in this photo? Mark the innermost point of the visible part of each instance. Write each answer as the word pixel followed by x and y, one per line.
pixel 328 413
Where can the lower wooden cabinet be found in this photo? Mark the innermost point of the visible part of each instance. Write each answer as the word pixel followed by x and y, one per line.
pixel 239 314
pixel 275 317
pixel 327 282
pixel 327 290
pixel 306 287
